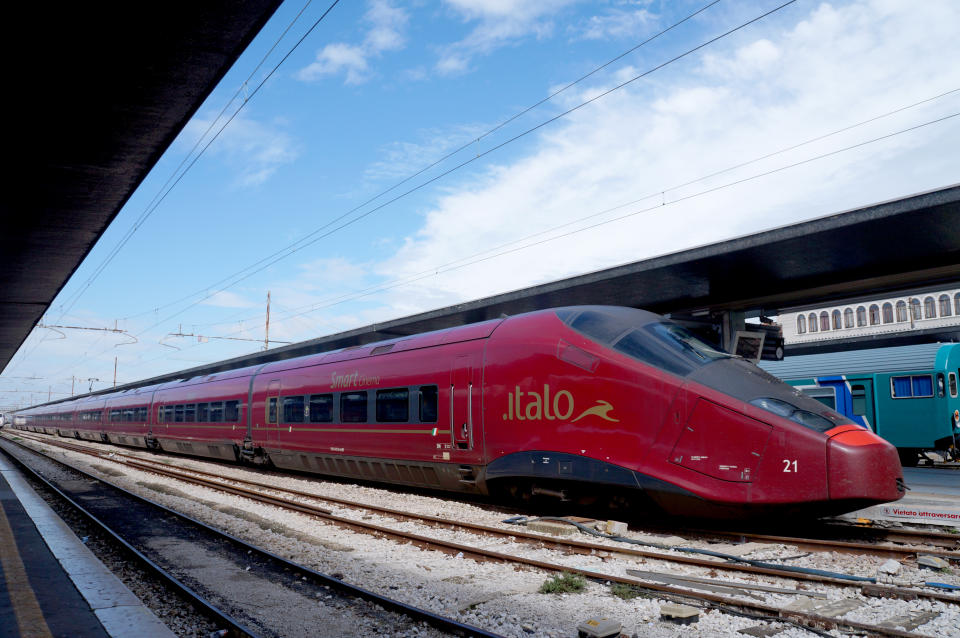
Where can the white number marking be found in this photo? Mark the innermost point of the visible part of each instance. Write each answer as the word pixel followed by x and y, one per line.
pixel 787 463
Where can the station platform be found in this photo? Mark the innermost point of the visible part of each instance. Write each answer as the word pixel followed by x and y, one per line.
pixel 51 585
pixel 933 499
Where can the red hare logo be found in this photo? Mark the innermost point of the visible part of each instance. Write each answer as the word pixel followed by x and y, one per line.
pixel 537 406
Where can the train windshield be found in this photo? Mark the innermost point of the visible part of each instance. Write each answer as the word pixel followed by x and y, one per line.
pixel 643 336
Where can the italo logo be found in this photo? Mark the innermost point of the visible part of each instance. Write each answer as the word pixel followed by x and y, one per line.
pixel 537 406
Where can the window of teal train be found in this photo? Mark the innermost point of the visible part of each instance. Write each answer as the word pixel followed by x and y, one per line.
pixel 826 396
pixel 911 387
pixel 952 378
pixel 858 400
pixel 941 386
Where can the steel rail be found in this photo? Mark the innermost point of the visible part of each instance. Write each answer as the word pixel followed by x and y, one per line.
pixel 721 602
pixel 234 627
pixel 575 546
pixel 414 613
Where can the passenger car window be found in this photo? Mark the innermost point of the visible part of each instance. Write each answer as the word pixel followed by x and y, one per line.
pixel 428 404
pixel 216 412
pixel 293 409
pixel 178 413
pixel 353 407
pixel 272 410
pixel 911 387
pixel 231 411
pixel 321 408
pixel 203 412
pixel 190 413
pixel 393 406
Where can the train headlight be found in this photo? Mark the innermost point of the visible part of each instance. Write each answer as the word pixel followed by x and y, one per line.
pixel 795 414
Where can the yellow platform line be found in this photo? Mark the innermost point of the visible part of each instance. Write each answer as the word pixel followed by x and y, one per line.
pixel 30 620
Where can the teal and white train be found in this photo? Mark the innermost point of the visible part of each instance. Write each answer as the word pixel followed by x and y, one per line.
pixel 908 395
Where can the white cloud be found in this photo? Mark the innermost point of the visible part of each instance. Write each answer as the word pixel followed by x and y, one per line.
pixel 255 149
pixel 500 22
pixel 385 33
pixel 616 23
pixel 834 68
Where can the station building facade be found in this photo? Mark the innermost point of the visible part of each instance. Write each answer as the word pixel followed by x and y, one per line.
pixel 919 311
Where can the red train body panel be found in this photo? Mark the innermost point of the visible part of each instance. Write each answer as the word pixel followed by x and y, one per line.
pixel 587 403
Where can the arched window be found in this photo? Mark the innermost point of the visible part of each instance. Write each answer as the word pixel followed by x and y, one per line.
pixel 861 316
pixel 901 310
pixel 874 315
pixel 956 304
pixel 888 312
pixel 915 308
pixel 929 308
pixel 836 319
pixel 812 322
pixel 824 321
pixel 944 305
pixel 801 324
pixel 848 318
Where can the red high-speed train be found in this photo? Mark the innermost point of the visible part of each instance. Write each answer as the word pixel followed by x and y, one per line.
pixel 583 403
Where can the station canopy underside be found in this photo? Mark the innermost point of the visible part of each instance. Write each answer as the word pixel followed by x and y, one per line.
pixel 96 92
pixel 876 250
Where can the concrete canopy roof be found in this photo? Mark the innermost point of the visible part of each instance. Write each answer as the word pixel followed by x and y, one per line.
pixel 96 92
pixel 878 249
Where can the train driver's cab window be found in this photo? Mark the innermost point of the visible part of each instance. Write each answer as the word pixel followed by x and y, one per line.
pixel 858 400
pixel 941 385
pixel 952 378
pixel 911 387
pixel 293 411
pixel 393 406
pixel 353 407
pixel 428 404
pixel 321 408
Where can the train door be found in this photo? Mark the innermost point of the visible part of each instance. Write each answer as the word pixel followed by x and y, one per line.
pixel 271 412
pixel 861 403
pixel 464 403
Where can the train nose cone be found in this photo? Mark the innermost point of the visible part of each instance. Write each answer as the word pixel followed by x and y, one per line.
pixel 862 467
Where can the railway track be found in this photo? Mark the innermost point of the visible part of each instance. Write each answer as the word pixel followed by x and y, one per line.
pixel 171 545
pixel 296 500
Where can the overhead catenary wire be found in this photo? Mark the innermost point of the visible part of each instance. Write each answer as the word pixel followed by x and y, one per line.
pixel 174 178
pixel 452 265
pixel 293 246
pixel 314 237
pixel 656 207
pixel 169 186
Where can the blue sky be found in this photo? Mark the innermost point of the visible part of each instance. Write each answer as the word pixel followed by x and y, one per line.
pixel 382 88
